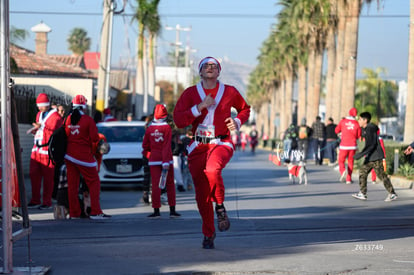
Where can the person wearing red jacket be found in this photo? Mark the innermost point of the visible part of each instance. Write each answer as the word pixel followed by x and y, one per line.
pixel 157 149
pixel 350 131
pixel 207 108
pixel 41 167
pixel 82 134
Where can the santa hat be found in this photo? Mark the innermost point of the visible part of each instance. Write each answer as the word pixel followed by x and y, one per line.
pixel 206 60
pixel 353 112
pixel 160 111
pixel 79 101
pixel 107 111
pixel 42 100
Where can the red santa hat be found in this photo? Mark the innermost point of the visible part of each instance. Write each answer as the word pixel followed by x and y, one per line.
pixel 79 101
pixel 160 111
pixel 42 100
pixel 353 112
pixel 206 60
pixel 107 111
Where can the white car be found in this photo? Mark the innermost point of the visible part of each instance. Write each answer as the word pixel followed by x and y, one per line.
pixel 123 164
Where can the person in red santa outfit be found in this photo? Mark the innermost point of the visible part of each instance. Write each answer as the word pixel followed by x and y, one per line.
pixel 47 121
pixel 350 131
pixel 207 107
pixel 82 136
pixel 108 115
pixel 157 149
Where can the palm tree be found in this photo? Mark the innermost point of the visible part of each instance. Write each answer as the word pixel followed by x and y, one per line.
pixel 409 111
pixel 375 95
pixel 78 41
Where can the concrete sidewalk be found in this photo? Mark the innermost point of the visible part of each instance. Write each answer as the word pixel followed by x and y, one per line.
pixel 276 228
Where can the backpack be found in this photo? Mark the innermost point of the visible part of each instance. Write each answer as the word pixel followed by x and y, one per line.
pixel 303 132
pixel 57 145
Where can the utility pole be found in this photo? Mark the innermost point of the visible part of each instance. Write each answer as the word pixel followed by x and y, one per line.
pixel 105 58
pixel 177 29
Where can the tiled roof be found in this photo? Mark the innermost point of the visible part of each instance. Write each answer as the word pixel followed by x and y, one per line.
pixel 30 63
pixel 76 61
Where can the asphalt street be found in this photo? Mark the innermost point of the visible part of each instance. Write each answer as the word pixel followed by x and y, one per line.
pixel 276 228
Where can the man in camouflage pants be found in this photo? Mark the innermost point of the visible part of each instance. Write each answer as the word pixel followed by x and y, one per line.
pixel 374 155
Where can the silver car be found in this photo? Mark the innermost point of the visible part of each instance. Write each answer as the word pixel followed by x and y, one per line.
pixel 123 164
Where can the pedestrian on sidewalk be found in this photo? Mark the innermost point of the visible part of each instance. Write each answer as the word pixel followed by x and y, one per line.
pixel 304 136
pixel 82 137
pixel 207 107
pixel 41 167
pixel 374 155
pixel 319 138
pixel 157 149
pixel 331 141
pixel 350 131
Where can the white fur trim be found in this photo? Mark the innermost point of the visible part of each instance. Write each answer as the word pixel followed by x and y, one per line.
pixel 195 111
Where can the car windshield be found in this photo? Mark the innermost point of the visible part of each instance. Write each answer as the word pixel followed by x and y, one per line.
pixel 123 133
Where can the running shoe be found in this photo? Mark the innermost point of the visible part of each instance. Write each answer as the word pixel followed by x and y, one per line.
pixel 360 196
pixel 391 197
pixel 208 242
pixel 101 216
pixel 223 222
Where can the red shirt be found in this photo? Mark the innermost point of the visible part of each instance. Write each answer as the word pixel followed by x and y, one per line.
pixel 350 132
pixel 81 139
pixel 157 143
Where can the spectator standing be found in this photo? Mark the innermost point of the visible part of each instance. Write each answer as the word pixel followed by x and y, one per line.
pixel 374 155
pixel 82 136
pixel 290 140
pixel 253 138
pixel 304 135
pixel 177 151
pixel 350 131
pixel 108 115
pixel 207 107
pixel 61 110
pixel 319 136
pixel 157 149
pixel 41 167
pixel 243 140
pixel 265 138
pixel 331 141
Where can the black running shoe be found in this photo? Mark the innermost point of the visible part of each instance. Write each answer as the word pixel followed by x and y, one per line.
pixel 154 215
pixel 208 242
pixel 223 222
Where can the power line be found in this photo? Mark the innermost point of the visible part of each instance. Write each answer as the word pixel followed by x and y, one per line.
pixel 197 15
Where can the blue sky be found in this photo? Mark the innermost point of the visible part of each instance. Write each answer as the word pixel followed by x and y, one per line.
pixel 383 41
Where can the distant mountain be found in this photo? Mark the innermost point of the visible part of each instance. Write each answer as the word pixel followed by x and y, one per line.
pixel 235 74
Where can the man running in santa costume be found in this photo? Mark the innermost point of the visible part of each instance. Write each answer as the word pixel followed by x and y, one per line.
pixel 207 108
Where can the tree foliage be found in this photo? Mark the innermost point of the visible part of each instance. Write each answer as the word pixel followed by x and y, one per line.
pixel 78 41
pixel 376 95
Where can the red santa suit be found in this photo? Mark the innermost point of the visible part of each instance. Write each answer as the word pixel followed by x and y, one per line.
pixel 208 156
pixel 243 139
pixel 40 165
pixel 157 149
pixel 80 159
pixel 350 132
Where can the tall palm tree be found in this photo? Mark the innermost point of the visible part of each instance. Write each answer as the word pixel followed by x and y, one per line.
pixel 78 41
pixel 409 111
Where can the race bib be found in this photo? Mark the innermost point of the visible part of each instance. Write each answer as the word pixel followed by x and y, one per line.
pixel 205 131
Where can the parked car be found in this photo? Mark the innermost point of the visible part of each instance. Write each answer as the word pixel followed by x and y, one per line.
pixel 123 164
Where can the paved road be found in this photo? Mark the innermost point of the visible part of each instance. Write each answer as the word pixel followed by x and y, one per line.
pixel 276 228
